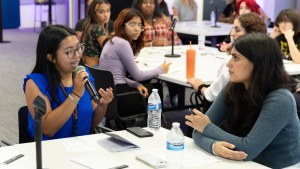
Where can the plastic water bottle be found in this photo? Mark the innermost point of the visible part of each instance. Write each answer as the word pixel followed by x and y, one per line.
pixel 175 147
pixel 213 18
pixel 201 41
pixel 154 110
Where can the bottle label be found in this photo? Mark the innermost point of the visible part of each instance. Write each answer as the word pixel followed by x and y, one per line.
pixel 175 146
pixel 154 106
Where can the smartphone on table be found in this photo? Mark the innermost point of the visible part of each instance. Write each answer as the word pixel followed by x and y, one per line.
pixel 140 132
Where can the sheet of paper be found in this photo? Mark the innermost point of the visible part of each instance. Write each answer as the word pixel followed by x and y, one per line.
pixel 78 144
pixel 97 162
pixel 191 157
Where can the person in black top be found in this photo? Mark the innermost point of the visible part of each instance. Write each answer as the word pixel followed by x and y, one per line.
pixel 163 7
pixel 229 13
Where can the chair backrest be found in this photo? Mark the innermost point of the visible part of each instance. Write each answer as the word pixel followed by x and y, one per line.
pixel 119 114
pixel 104 79
pixel 23 125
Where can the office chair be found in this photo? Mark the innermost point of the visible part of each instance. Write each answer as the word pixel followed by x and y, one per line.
pixel 119 114
pixel 23 125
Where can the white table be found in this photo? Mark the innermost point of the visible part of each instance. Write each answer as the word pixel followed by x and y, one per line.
pixel 195 28
pixel 55 154
pixel 203 27
pixel 208 62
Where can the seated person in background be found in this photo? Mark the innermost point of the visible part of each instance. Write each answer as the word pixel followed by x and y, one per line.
pixel 246 6
pixel 185 10
pixel 95 31
pixel 243 7
pixel 69 108
pixel 229 13
pixel 244 24
pixel 79 25
pixel 254 117
pixel 287 34
pixel 157 25
pixel 163 7
pixel 119 52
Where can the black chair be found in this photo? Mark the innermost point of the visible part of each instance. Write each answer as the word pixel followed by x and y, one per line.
pixel 119 114
pixel 23 125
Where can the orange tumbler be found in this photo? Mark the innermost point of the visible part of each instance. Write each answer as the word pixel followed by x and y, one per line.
pixel 190 63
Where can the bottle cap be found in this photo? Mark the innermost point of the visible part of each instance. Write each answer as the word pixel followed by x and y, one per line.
pixel 175 124
pixel 154 90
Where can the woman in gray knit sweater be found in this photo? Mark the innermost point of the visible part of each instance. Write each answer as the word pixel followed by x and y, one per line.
pixel 254 117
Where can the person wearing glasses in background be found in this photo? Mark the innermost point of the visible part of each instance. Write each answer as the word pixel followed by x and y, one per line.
pixel 69 108
pixel 119 52
pixel 95 31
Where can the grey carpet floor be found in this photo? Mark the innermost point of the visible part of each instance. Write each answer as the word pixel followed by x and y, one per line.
pixel 17 59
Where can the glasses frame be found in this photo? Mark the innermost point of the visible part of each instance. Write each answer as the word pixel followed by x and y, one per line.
pixel 134 25
pixel 79 49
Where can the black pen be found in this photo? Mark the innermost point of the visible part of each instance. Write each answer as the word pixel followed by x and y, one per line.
pixel 13 159
pixel 120 167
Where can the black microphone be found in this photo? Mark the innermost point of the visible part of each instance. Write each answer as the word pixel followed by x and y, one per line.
pixel 89 87
pixel 172 28
pixel 173 23
pixel 39 106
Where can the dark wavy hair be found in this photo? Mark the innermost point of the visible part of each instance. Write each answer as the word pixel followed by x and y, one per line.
pixel 91 19
pixel 252 22
pixel 289 15
pixel 48 43
pixel 268 75
pixel 119 27
pixel 138 3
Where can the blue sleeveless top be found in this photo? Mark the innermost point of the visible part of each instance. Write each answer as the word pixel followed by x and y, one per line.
pixel 85 109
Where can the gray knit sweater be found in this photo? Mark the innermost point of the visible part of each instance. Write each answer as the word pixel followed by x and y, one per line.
pixel 273 141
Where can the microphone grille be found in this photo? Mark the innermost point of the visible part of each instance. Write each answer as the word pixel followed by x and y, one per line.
pixel 79 68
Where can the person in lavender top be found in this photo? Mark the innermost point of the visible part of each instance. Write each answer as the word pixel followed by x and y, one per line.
pixel 119 51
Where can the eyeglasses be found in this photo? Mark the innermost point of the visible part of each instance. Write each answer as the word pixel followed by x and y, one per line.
pixel 148 2
pixel 135 25
pixel 71 53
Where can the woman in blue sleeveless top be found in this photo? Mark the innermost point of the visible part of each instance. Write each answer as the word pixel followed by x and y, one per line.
pixel 69 108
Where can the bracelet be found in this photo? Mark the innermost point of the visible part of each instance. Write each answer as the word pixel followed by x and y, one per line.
pixel 213 150
pixel 74 100
pixel 76 95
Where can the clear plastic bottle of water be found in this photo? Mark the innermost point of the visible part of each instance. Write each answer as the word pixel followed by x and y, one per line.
pixel 213 18
pixel 154 110
pixel 201 41
pixel 175 147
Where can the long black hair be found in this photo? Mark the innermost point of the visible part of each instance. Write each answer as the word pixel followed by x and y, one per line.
pixel 268 75
pixel 48 43
pixel 157 12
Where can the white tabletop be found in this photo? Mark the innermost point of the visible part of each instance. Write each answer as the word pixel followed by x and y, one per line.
pixel 203 27
pixel 59 153
pixel 208 61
